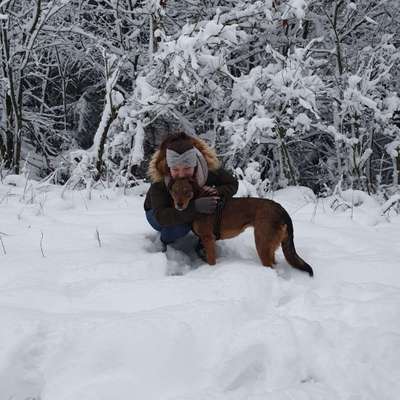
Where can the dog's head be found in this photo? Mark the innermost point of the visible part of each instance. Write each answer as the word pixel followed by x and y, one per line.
pixel 182 191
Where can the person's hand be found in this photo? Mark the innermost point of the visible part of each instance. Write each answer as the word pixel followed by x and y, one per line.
pixel 206 205
pixel 210 191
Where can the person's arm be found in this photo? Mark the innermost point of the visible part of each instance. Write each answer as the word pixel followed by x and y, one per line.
pixel 225 183
pixel 164 211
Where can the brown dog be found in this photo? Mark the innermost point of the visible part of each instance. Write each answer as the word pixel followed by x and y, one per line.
pixel 273 226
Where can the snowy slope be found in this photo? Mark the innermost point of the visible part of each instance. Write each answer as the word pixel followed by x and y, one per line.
pixel 124 321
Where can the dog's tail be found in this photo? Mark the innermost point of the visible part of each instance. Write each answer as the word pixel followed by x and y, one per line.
pixel 289 250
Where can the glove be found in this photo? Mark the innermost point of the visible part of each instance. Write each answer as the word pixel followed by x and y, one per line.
pixel 210 191
pixel 206 205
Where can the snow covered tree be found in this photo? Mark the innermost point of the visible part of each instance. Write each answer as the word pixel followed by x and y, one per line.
pixel 304 91
pixel 24 49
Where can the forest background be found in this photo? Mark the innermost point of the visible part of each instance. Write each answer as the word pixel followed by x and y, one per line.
pixel 296 92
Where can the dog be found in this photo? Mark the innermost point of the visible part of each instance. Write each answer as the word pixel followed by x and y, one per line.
pixel 272 224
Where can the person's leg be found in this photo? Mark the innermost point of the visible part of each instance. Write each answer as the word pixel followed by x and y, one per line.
pixel 151 219
pixel 155 225
pixel 168 233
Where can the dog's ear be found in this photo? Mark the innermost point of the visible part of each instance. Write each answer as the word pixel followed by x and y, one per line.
pixel 170 183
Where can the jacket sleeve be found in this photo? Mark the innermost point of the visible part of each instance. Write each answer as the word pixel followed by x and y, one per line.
pixel 225 183
pixel 164 212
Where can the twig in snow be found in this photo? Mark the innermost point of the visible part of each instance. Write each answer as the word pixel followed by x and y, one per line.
pixel 26 185
pixel 89 188
pixel 336 204
pixel 41 243
pixel 352 203
pixel 315 210
pixel 2 164
pixel 5 197
pixel 65 187
pixel 2 244
pixel 19 215
pixel 98 237
pixel 394 200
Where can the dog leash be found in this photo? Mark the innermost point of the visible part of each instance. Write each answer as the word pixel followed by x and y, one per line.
pixel 218 218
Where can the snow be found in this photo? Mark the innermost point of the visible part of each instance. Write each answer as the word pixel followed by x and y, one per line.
pixel 137 151
pixel 196 45
pixel 113 100
pixel 393 148
pixel 115 318
pixel 303 121
pixel 296 8
pixel 259 125
pixel 370 20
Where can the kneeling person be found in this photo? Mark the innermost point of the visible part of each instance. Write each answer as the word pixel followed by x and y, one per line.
pixel 183 156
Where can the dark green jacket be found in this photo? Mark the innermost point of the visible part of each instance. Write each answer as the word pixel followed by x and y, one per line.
pixel 159 199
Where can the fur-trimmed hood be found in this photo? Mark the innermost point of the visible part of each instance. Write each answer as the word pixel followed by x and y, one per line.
pixel 158 169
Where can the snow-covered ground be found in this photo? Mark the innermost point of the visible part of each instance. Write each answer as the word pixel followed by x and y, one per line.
pixel 91 310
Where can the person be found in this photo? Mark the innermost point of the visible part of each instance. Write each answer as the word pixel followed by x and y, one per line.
pixel 183 156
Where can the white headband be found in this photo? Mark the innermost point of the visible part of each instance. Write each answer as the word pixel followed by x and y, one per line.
pixel 188 158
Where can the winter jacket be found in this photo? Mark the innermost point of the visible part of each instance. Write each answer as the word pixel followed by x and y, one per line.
pixel 159 199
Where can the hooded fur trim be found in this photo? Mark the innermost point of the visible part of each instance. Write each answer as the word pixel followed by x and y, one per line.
pixel 158 167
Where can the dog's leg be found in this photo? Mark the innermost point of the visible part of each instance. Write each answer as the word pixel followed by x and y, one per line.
pixel 265 246
pixel 209 247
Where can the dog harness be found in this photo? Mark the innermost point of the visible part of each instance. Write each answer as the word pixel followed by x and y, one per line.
pixel 218 218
